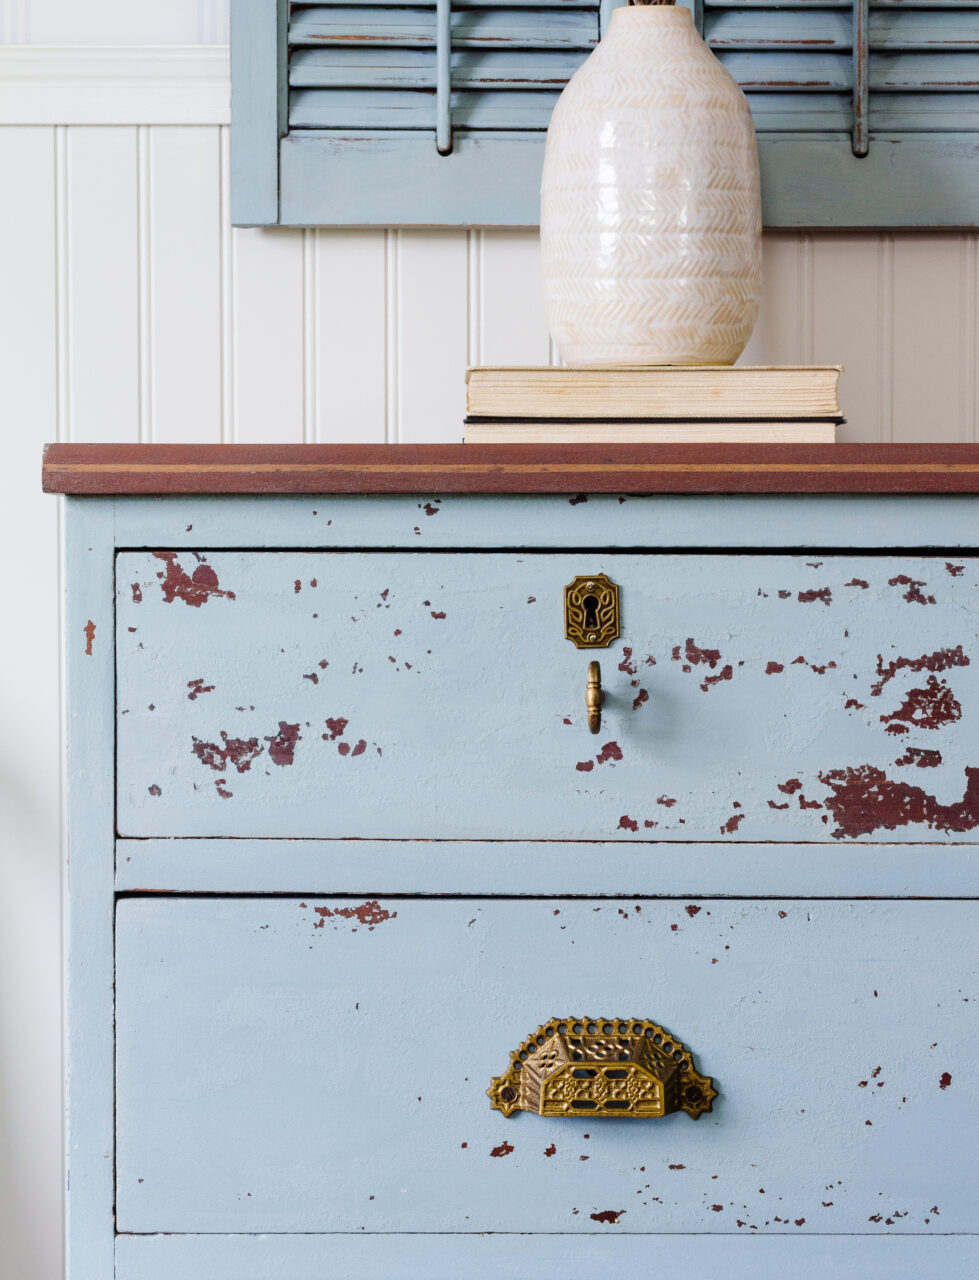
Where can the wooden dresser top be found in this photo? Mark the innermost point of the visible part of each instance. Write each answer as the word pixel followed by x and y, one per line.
pixel 100 469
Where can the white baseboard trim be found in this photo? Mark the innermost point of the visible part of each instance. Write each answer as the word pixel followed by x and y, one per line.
pixel 171 84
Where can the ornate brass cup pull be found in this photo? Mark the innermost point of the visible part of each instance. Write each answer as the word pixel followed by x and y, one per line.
pixel 594 697
pixel 602 1067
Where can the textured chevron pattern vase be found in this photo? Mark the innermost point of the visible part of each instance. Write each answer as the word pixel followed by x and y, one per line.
pixel 650 201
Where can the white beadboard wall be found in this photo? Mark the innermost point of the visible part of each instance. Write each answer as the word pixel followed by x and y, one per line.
pixel 131 310
pixel 170 325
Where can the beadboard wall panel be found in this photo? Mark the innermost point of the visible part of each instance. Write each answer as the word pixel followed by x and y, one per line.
pixel 131 310
pixel 180 282
pixel 99 200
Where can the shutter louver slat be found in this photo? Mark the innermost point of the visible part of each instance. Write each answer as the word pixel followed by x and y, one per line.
pixel 415 69
pixel 923 65
pixel 373 65
pixel 473 28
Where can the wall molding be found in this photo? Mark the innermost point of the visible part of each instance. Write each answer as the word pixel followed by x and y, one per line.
pixel 170 84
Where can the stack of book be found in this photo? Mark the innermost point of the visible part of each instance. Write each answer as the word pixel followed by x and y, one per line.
pixel 663 404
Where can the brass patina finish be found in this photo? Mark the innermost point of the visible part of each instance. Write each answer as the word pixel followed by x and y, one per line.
pixel 591 611
pixel 602 1067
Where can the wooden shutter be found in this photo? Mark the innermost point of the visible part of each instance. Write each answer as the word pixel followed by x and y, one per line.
pixel 357 114
pixel 369 136
pixel 867 113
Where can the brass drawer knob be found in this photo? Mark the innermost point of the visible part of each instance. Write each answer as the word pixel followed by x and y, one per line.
pixel 594 697
pixel 602 1067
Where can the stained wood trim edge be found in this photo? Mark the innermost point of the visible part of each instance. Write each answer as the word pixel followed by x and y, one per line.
pixel 283 469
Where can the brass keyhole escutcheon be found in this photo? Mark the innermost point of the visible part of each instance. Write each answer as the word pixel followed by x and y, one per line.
pixel 591 611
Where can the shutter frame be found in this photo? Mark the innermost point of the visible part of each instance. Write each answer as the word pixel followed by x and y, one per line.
pixel 259 108
pixel 366 177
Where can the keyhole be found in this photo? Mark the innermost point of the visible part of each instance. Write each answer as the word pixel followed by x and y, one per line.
pixel 591 611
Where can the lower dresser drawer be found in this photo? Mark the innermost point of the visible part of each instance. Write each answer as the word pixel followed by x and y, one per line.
pixel 309 1065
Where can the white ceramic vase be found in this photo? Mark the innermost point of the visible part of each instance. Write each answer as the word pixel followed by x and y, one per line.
pixel 650 201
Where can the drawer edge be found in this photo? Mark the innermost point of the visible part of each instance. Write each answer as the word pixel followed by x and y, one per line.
pixel 519 868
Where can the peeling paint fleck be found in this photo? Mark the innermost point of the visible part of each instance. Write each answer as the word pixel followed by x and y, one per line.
pixel 914 594
pixel 585 766
pixel 198 687
pixel 921 757
pixel 954 569
pixel 550 1151
pixel 726 673
pixel 944 1081
pixel 239 752
pixel 193 589
pixel 695 655
pixel 89 632
pixel 610 1216
pixel 335 728
pixel 865 800
pixel 929 708
pixel 369 913
pixel 732 824
pixel 940 660
pixel 627 665
pixel 282 746
pixel 774 669
pixel 503 1149
pixel 610 751
pixel 137 593
pixel 628 824
pixel 822 593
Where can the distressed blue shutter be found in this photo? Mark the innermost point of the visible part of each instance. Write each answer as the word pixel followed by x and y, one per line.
pixel 369 113
pixel 867 114
pixel 379 122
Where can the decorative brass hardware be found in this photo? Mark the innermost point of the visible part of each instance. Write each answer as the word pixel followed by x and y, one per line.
pixel 591 612
pixel 594 697
pixel 602 1067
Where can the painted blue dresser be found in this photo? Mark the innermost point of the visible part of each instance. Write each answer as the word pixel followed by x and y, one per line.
pixel 341 840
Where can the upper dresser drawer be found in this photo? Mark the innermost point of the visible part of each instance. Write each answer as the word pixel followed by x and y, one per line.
pixel 433 694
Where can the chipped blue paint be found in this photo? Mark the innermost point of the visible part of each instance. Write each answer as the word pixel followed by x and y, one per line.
pixel 557 866
pixel 356 1257
pixel 405 696
pixel 680 560
pixel 304 1065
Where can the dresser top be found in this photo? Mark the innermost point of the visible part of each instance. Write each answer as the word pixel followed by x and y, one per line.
pixel 102 469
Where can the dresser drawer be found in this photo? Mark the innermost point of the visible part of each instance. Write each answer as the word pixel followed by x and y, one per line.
pixel 433 695
pixel 320 1065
